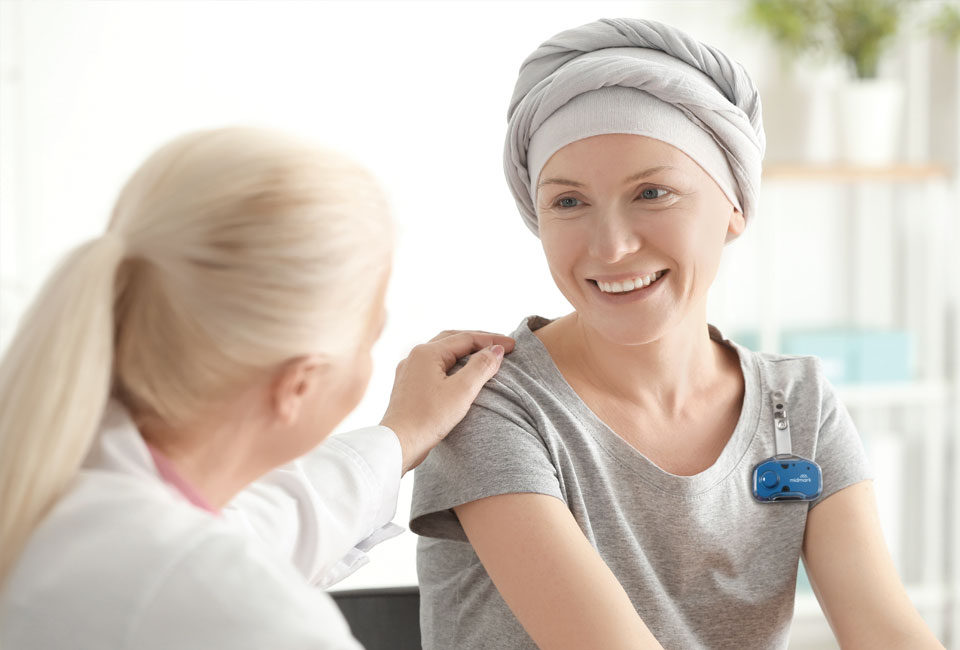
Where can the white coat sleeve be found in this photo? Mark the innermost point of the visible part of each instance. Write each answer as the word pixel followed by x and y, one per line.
pixel 326 509
pixel 227 591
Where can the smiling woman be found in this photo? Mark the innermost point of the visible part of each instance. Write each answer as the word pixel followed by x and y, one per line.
pixel 598 493
pixel 604 232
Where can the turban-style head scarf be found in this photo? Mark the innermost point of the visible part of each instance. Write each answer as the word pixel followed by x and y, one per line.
pixel 639 77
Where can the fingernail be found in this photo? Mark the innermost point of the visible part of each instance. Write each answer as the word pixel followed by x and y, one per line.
pixel 497 351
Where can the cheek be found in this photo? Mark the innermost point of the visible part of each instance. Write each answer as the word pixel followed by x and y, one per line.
pixel 361 379
pixel 338 399
pixel 703 247
pixel 352 385
pixel 561 247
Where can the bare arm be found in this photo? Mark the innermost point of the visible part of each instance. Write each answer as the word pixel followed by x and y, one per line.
pixel 854 578
pixel 553 580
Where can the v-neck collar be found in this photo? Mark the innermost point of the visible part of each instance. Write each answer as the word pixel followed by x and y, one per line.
pixel 728 460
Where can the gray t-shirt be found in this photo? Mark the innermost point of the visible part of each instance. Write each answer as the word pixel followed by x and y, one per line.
pixel 704 563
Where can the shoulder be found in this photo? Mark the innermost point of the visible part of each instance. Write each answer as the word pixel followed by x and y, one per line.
pixel 528 374
pixel 793 370
pixel 509 428
pixel 517 387
pixel 120 518
pixel 501 445
pixel 99 560
pixel 811 398
pixel 522 367
pixel 801 378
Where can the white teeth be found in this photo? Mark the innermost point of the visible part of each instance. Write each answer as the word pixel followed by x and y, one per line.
pixel 630 285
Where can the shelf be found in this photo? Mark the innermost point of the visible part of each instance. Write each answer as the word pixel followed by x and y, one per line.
pixel 922 393
pixel 902 172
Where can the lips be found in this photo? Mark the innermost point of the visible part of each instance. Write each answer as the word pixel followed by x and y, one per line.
pixel 625 296
pixel 629 284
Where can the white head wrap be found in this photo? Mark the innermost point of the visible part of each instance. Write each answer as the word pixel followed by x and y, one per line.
pixel 641 77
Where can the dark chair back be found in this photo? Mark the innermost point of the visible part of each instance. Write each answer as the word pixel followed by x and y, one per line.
pixel 382 619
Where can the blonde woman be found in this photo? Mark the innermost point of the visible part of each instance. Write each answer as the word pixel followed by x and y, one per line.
pixel 218 330
pixel 600 493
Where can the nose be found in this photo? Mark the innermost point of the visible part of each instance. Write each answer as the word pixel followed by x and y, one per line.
pixel 613 237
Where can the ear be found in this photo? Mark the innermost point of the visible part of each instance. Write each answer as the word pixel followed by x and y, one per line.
pixel 296 381
pixel 736 225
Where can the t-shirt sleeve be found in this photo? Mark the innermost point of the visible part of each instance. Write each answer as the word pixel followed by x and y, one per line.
pixel 839 450
pixel 496 449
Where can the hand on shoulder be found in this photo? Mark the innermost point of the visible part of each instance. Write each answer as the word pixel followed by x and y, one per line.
pixel 426 402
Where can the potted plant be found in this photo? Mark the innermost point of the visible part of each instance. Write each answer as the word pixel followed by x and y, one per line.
pixel 870 107
pixel 795 26
pixel 798 115
pixel 946 25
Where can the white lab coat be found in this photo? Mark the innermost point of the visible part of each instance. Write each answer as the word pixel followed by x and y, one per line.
pixel 123 560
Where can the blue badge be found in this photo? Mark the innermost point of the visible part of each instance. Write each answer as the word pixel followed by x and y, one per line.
pixel 785 477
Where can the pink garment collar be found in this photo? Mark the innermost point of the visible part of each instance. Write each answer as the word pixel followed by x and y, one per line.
pixel 170 474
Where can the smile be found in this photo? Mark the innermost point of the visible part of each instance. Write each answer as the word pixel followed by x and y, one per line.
pixel 630 285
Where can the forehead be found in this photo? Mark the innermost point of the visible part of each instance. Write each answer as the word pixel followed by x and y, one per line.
pixel 617 158
pixel 588 152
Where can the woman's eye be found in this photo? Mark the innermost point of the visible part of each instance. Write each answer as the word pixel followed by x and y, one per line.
pixel 567 202
pixel 653 193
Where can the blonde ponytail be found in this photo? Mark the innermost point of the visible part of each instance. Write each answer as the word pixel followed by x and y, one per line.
pixel 229 251
pixel 54 385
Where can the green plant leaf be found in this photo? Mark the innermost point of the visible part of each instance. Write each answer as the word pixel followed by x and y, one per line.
pixel 863 30
pixel 946 24
pixel 795 26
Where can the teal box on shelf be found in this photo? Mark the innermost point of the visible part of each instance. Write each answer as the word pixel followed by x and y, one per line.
pixel 848 356
pixel 747 338
pixel 834 347
pixel 885 356
pixel 855 356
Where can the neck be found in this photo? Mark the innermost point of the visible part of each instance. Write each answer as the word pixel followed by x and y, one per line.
pixel 216 460
pixel 662 377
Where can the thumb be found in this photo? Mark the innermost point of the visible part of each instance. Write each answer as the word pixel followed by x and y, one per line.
pixel 482 366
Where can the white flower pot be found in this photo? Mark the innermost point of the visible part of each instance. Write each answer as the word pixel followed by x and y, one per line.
pixel 870 115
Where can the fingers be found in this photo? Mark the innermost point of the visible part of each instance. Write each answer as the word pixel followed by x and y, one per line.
pixel 449 333
pixel 444 334
pixel 461 344
pixel 481 367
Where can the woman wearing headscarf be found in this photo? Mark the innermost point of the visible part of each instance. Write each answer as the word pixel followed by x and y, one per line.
pixel 601 492
pixel 162 401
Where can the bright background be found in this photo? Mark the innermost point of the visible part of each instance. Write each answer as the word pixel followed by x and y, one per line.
pixel 418 91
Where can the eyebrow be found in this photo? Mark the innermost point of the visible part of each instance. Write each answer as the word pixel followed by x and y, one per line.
pixel 635 177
